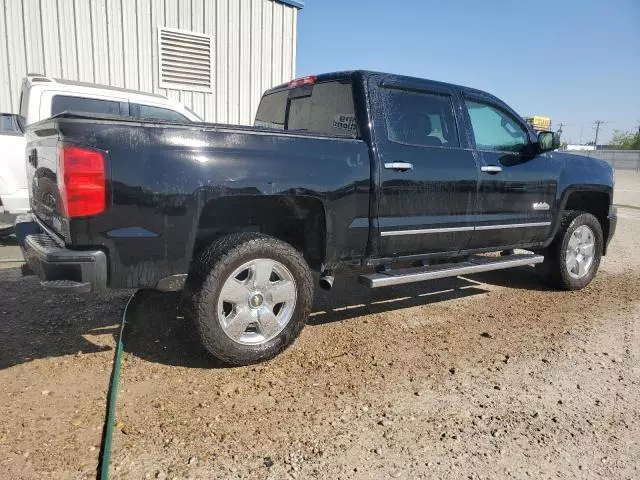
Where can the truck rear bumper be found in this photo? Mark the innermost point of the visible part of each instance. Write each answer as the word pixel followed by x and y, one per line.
pixel 58 267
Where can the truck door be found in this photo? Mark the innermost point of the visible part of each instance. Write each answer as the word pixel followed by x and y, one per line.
pixel 427 180
pixel 517 187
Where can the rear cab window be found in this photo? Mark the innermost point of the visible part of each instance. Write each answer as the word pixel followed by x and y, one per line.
pixel 325 108
pixel 272 110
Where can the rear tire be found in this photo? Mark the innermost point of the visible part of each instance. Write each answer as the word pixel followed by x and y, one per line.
pixel 251 297
pixel 573 258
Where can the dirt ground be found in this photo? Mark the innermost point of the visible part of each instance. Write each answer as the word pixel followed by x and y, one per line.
pixel 491 376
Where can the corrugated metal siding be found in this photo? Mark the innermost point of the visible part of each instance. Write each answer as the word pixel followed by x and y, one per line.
pixel 115 42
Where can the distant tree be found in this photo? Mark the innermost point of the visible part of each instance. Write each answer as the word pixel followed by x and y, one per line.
pixel 625 140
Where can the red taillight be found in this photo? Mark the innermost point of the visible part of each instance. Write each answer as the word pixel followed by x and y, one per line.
pixel 299 82
pixel 81 181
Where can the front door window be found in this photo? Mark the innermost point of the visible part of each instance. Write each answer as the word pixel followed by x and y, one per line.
pixel 495 130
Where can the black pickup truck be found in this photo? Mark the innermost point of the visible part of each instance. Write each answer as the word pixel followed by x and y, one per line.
pixel 404 178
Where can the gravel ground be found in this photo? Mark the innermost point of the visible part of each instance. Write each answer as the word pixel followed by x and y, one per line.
pixel 490 376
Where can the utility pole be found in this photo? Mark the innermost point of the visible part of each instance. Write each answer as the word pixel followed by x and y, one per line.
pixel 559 131
pixel 597 123
pixel 560 125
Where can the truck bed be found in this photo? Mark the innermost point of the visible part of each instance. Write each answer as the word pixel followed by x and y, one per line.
pixel 162 178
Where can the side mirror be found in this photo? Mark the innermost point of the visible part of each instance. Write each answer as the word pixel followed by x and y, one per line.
pixel 548 141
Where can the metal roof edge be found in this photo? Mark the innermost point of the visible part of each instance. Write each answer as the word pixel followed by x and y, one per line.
pixel 293 3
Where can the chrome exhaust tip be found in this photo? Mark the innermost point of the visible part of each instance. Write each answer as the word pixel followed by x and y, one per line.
pixel 326 281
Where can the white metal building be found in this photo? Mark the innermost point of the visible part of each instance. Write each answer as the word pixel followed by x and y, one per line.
pixel 216 56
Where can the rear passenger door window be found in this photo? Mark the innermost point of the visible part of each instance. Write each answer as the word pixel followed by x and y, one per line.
pixel 420 118
pixel 495 129
pixel 68 103
pixel 148 112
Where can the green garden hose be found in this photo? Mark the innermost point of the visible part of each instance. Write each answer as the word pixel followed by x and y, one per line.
pixel 107 430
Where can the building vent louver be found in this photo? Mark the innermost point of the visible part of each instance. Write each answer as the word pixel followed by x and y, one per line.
pixel 185 60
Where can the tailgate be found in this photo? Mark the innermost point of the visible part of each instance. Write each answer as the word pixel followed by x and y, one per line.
pixel 42 175
pixel 67 178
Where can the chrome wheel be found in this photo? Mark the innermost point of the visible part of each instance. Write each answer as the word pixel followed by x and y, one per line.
pixel 256 301
pixel 580 252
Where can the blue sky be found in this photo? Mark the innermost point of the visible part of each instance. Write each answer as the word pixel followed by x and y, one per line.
pixel 573 60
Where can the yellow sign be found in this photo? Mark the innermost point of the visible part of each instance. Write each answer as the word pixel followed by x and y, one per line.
pixel 539 123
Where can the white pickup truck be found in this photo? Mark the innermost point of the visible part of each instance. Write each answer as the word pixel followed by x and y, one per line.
pixel 14 196
pixel 42 97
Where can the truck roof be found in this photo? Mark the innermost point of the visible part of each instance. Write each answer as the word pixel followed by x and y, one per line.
pixel 39 79
pixel 339 75
pixel 35 85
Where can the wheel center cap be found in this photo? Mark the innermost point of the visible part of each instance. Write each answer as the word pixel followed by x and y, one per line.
pixel 256 300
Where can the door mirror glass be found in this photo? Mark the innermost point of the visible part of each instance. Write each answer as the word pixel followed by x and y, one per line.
pixel 548 141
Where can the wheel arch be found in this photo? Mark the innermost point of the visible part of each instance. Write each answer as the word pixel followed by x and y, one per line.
pixel 593 199
pixel 297 220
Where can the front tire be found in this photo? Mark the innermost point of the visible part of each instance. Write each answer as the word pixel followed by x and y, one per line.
pixel 573 258
pixel 252 297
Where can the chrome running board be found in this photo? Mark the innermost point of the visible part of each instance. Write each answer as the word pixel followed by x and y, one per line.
pixel 475 264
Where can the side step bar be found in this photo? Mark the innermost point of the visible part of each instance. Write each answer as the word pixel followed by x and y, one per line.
pixel 67 286
pixel 475 264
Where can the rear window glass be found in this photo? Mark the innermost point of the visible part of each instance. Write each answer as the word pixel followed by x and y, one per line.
pixel 326 108
pixel 272 110
pixel 62 103
pixel 418 118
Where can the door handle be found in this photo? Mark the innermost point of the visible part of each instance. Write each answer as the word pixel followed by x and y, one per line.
pixel 491 168
pixel 401 166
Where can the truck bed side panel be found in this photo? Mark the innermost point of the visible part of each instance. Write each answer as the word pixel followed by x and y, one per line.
pixel 163 175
